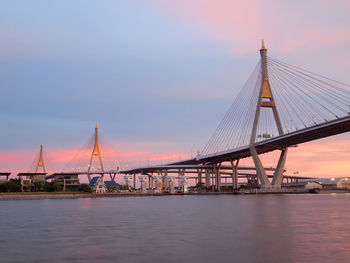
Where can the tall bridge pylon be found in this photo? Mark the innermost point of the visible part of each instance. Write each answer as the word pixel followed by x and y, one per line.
pixel 40 163
pixel 266 100
pixel 95 152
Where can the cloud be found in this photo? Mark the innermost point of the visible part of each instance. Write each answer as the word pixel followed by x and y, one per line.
pixel 128 155
pixel 327 157
pixel 151 53
pixel 286 25
pixel 322 158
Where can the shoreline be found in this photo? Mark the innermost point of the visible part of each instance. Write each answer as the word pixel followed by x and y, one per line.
pixel 64 195
pixel 76 195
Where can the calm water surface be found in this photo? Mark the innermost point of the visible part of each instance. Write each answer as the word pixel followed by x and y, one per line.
pixel 264 228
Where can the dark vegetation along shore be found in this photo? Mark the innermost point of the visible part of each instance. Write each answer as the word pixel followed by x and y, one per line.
pixel 43 195
pixel 12 190
pixel 65 195
pixel 14 185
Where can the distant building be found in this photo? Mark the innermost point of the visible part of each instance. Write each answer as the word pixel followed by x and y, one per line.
pixel 304 184
pixel 333 183
pixel 28 180
pixel 4 177
pixel 69 181
pixel 97 185
pixel 321 183
pixel 111 184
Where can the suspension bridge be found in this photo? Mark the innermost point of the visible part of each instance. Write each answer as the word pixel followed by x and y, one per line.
pixel 279 106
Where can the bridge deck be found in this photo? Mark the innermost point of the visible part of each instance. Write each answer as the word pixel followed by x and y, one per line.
pixel 308 134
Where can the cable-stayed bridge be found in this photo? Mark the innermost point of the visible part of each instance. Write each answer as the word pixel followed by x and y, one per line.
pixel 279 106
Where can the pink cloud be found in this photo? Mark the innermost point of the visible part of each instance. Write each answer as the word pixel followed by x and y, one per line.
pixel 128 155
pixel 241 24
pixel 323 158
pixel 15 159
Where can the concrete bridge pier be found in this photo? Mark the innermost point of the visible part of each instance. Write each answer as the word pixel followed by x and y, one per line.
pixel 149 181
pixel 207 178
pixel 199 180
pixel 260 171
pixel 134 180
pixel 234 174
pixel 278 175
pixel 217 175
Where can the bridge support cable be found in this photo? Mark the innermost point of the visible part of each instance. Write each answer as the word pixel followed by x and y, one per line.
pixel 308 95
pixel 289 113
pixel 317 90
pixel 236 120
pixel 322 98
pixel 296 102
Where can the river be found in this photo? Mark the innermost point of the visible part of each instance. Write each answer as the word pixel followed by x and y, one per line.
pixel 222 228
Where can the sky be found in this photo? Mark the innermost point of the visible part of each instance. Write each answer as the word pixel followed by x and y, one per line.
pixel 157 76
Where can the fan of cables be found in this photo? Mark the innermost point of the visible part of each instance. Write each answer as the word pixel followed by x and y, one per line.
pixel 303 99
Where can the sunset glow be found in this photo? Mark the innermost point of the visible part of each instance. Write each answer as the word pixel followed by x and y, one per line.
pixel 159 88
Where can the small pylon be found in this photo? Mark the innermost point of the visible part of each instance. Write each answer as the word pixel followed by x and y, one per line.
pixel 95 152
pixel 40 161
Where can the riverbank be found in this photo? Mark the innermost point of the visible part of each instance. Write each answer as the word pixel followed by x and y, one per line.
pixel 64 195
pixel 43 195
pixel 76 195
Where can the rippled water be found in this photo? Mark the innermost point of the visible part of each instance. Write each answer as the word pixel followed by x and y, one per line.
pixel 225 228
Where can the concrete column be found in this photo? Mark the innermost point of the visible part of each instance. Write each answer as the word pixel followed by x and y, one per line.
pixel 218 186
pixel 217 177
pixel 235 174
pixel 164 179
pixel 278 175
pixel 134 181
pixel 213 179
pixel 112 176
pixel 260 171
pixel 199 180
pixel 207 178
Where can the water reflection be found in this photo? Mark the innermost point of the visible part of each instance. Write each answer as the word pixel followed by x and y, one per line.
pixel 267 228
